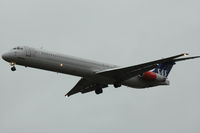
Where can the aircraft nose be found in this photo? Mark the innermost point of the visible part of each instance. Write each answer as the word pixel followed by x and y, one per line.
pixel 5 56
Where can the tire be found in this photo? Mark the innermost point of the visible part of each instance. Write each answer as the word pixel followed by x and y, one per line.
pixel 13 68
pixel 99 91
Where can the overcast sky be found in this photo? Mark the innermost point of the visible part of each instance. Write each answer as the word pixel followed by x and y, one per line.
pixel 121 32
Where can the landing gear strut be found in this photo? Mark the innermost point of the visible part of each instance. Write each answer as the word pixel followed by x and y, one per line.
pixel 13 68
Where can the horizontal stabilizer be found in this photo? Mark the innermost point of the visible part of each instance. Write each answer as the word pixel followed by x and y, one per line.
pixel 187 58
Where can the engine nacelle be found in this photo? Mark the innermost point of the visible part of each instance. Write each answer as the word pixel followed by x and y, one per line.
pixel 153 76
pixel 149 75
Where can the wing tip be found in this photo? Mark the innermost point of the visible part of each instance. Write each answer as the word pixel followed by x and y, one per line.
pixel 67 95
pixel 70 93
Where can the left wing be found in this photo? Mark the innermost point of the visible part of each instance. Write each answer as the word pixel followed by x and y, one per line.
pixel 85 86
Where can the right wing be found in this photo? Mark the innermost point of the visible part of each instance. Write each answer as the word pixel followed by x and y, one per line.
pixel 122 74
pixel 118 75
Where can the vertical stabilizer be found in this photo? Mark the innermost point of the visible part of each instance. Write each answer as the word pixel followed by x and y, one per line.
pixel 164 68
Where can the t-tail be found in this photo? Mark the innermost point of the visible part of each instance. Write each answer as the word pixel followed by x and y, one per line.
pixel 164 69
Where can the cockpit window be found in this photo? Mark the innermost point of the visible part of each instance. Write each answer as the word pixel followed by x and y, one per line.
pixel 18 48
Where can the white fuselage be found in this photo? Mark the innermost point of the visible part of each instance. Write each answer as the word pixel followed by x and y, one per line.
pixel 38 58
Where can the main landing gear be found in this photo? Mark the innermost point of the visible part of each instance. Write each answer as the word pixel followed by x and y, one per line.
pixel 99 91
pixel 99 88
pixel 117 85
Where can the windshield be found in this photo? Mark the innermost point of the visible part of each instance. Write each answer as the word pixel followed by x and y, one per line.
pixel 18 48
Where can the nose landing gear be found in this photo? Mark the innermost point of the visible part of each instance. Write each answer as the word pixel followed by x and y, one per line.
pixel 13 68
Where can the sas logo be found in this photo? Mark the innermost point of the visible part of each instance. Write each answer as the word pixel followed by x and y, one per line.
pixel 162 72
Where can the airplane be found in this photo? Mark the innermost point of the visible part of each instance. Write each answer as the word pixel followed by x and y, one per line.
pixel 95 76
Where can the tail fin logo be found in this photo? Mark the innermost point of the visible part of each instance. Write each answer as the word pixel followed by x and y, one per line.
pixel 162 72
pixel 164 69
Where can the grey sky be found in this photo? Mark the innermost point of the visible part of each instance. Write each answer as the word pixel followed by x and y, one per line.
pixel 124 33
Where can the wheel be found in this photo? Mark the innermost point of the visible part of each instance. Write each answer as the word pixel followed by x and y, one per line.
pixel 116 85
pixel 13 68
pixel 99 91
